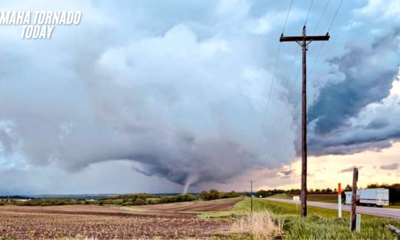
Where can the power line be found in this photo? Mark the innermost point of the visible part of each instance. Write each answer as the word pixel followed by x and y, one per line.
pixel 297 102
pixel 334 17
pixel 287 16
pixel 272 84
pixel 269 98
pixel 294 84
pixel 316 58
pixel 309 10
pixel 323 12
pixel 318 53
pixel 286 83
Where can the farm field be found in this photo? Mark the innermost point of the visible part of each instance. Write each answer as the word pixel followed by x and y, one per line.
pixel 167 221
pixel 218 219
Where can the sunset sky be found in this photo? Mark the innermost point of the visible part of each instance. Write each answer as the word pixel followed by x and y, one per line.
pixel 168 96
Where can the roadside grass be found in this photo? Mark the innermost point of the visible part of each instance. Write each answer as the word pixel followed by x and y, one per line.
pixel 282 196
pixel 320 224
pixel 397 205
pixel 327 198
pixel 316 227
pixel 258 225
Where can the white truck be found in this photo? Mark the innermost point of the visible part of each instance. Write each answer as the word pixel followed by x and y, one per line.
pixel 370 197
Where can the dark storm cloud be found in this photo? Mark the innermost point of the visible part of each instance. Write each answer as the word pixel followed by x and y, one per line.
pixel 378 123
pixel 180 94
pixel 366 80
pixel 172 95
pixel 342 120
pixel 393 166
pixel 285 173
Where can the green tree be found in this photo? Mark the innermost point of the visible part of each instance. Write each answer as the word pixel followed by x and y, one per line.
pixel 214 194
pixel 204 195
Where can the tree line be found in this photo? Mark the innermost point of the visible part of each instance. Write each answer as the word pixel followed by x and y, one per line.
pixel 268 193
pixel 125 200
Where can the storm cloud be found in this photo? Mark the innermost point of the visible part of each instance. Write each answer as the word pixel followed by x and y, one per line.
pixel 180 90
pixel 365 80
pixel 392 166
pixel 336 116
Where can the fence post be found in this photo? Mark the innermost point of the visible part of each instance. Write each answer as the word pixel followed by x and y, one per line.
pixel 354 200
pixel 339 200
pixel 358 223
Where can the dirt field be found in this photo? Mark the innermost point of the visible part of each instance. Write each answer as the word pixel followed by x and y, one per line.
pixel 166 221
pixel 193 207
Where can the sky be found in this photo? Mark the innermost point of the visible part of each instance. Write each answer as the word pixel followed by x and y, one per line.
pixel 175 96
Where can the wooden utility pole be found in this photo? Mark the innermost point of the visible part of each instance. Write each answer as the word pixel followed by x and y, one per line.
pixel 303 41
pixel 354 200
pixel 251 194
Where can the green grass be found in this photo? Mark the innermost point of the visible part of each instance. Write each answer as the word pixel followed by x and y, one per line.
pixel 278 208
pixel 282 196
pixel 328 198
pixel 397 205
pixel 316 227
pixel 320 224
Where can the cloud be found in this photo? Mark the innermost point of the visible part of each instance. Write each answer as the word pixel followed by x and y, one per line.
pixel 171 99
pixel 183 96
pixel 285 173
pixel 374 128
pixel 350 169
pixel 380 9
pixel 365 81
pixel 358 112
pixel 393 166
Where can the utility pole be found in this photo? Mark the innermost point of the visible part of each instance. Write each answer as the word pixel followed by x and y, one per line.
pixel 303 41
pixel 251 194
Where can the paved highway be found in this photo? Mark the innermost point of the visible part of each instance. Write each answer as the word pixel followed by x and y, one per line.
pixel 381 212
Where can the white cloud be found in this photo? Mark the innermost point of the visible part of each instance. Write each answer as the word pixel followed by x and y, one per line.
pixel 381 9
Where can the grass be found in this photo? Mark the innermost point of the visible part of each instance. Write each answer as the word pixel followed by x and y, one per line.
pixel 259 225
pixel 397 205
pixel 327 198
pixel 282 196
pixel 320 223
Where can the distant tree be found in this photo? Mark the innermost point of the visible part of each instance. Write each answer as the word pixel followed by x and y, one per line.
pixel 347 188
pixel 263 193
pixel 139 201
pixel 204 195
pixel 214 194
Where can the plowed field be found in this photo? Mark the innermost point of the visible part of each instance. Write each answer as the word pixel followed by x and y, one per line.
pixel 164 221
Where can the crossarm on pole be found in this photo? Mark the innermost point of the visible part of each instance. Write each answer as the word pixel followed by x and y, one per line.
pixel 301 38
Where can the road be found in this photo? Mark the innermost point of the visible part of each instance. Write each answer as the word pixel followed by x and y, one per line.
pixel 381 212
